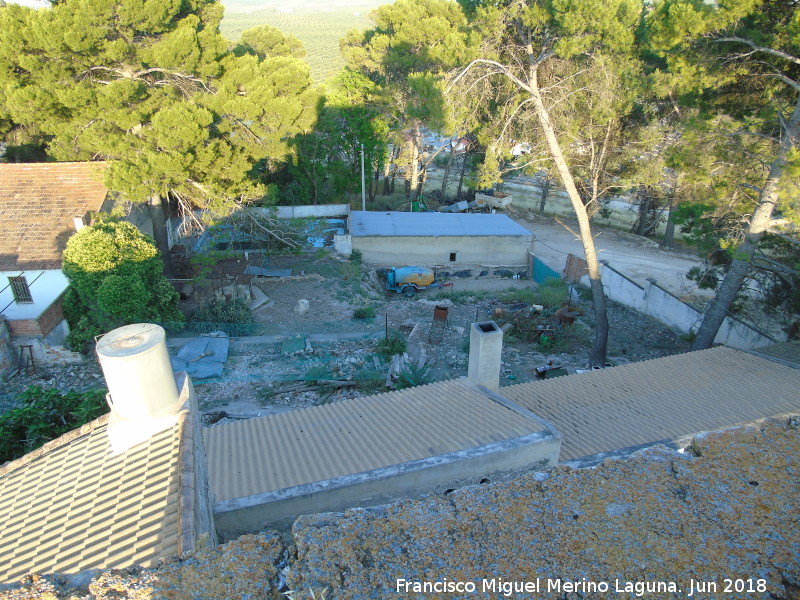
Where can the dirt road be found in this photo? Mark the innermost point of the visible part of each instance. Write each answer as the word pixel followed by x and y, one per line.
pixel 636 257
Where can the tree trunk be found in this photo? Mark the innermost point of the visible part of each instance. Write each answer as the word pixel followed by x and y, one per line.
pixel 158 217
pixel 387 168
pixel 373 186
pixel 718 307
pixel 461 176
pixel 446 176
pixel 598 353
pixel 413 180
pixel 669 233
pixel 545 193
pixel 644 211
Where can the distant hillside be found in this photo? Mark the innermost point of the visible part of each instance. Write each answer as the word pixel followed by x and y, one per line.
pixel 318 24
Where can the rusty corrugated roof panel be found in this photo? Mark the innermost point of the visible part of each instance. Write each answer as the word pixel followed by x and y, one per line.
pixel 72 505
pixel 660 400
pixel 354 436
pixel 38 202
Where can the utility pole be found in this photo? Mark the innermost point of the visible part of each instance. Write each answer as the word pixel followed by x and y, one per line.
pixel 363 193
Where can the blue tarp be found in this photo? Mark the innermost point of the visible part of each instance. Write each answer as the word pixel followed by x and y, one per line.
pixel 204 356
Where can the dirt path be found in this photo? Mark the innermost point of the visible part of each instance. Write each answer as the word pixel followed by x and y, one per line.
pixel 636 257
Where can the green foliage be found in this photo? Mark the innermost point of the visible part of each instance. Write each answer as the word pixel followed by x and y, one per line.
pixel 154 91
pixel 207 261
pixel 413 376
pixel 319 28
pixel 233 316
pixel 370 381
pixel 356 257
pixel 46 414
pixel 115 279
pixel 551 293
pixel 364 312
pixel 266 40
pixel 318 372
pixel 394 344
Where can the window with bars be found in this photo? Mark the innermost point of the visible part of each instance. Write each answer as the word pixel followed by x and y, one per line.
pixel 20 289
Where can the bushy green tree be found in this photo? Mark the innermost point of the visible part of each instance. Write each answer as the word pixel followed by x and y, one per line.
pixel 413 44
pixel 115 277
pixel 151 87
pixel 737 62
pixel 561 66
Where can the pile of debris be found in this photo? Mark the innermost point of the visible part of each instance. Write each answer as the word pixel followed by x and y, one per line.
pixel 532 322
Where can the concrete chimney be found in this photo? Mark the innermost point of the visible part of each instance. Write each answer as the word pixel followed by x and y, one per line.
pixel 485 349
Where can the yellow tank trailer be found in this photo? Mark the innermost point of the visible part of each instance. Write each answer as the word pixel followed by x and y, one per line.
pixel 409 280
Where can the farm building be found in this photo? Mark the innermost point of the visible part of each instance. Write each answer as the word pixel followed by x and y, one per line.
pixel 439 238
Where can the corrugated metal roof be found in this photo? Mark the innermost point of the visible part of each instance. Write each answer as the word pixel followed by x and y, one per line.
pixel 354 436
pixel 72 505
pixel 660 400
pixel 788 352
pixel 367 223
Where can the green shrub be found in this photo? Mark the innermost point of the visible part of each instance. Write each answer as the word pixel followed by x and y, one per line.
pixel 115 277
pixel 356 257
pixel 394 344
pixel 318 372
pixel 364 312
pixel 46 414
pixel 234 317
pixel 413 376
pixel 552 292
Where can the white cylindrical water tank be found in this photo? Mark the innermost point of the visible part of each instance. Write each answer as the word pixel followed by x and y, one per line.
pixel 138 372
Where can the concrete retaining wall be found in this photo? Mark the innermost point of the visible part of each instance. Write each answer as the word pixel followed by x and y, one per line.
pixel 432 250
pixel 318 210
pixel 662 305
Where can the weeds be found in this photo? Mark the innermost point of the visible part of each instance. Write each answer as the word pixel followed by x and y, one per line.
pixel 394 344
pixel 231 316
pixel 364 312
pixel 413 376
pixel 318 372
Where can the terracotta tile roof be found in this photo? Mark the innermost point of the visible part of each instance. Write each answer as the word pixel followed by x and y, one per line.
pixel 72 505
pixel 355 436
pixel 38 202
pixel 660 400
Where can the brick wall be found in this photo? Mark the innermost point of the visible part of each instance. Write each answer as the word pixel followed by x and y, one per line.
pixel 52 316
pixel 20 327
pixel 576 268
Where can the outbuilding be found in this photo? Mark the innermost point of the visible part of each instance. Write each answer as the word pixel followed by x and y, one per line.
pixel 432 238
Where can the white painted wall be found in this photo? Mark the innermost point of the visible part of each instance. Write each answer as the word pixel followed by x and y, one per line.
pixel 313 210
pixel 660 304
pixel 45 286
pixel 489 250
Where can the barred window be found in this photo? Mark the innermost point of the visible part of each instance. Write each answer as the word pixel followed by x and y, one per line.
pixel 20 289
